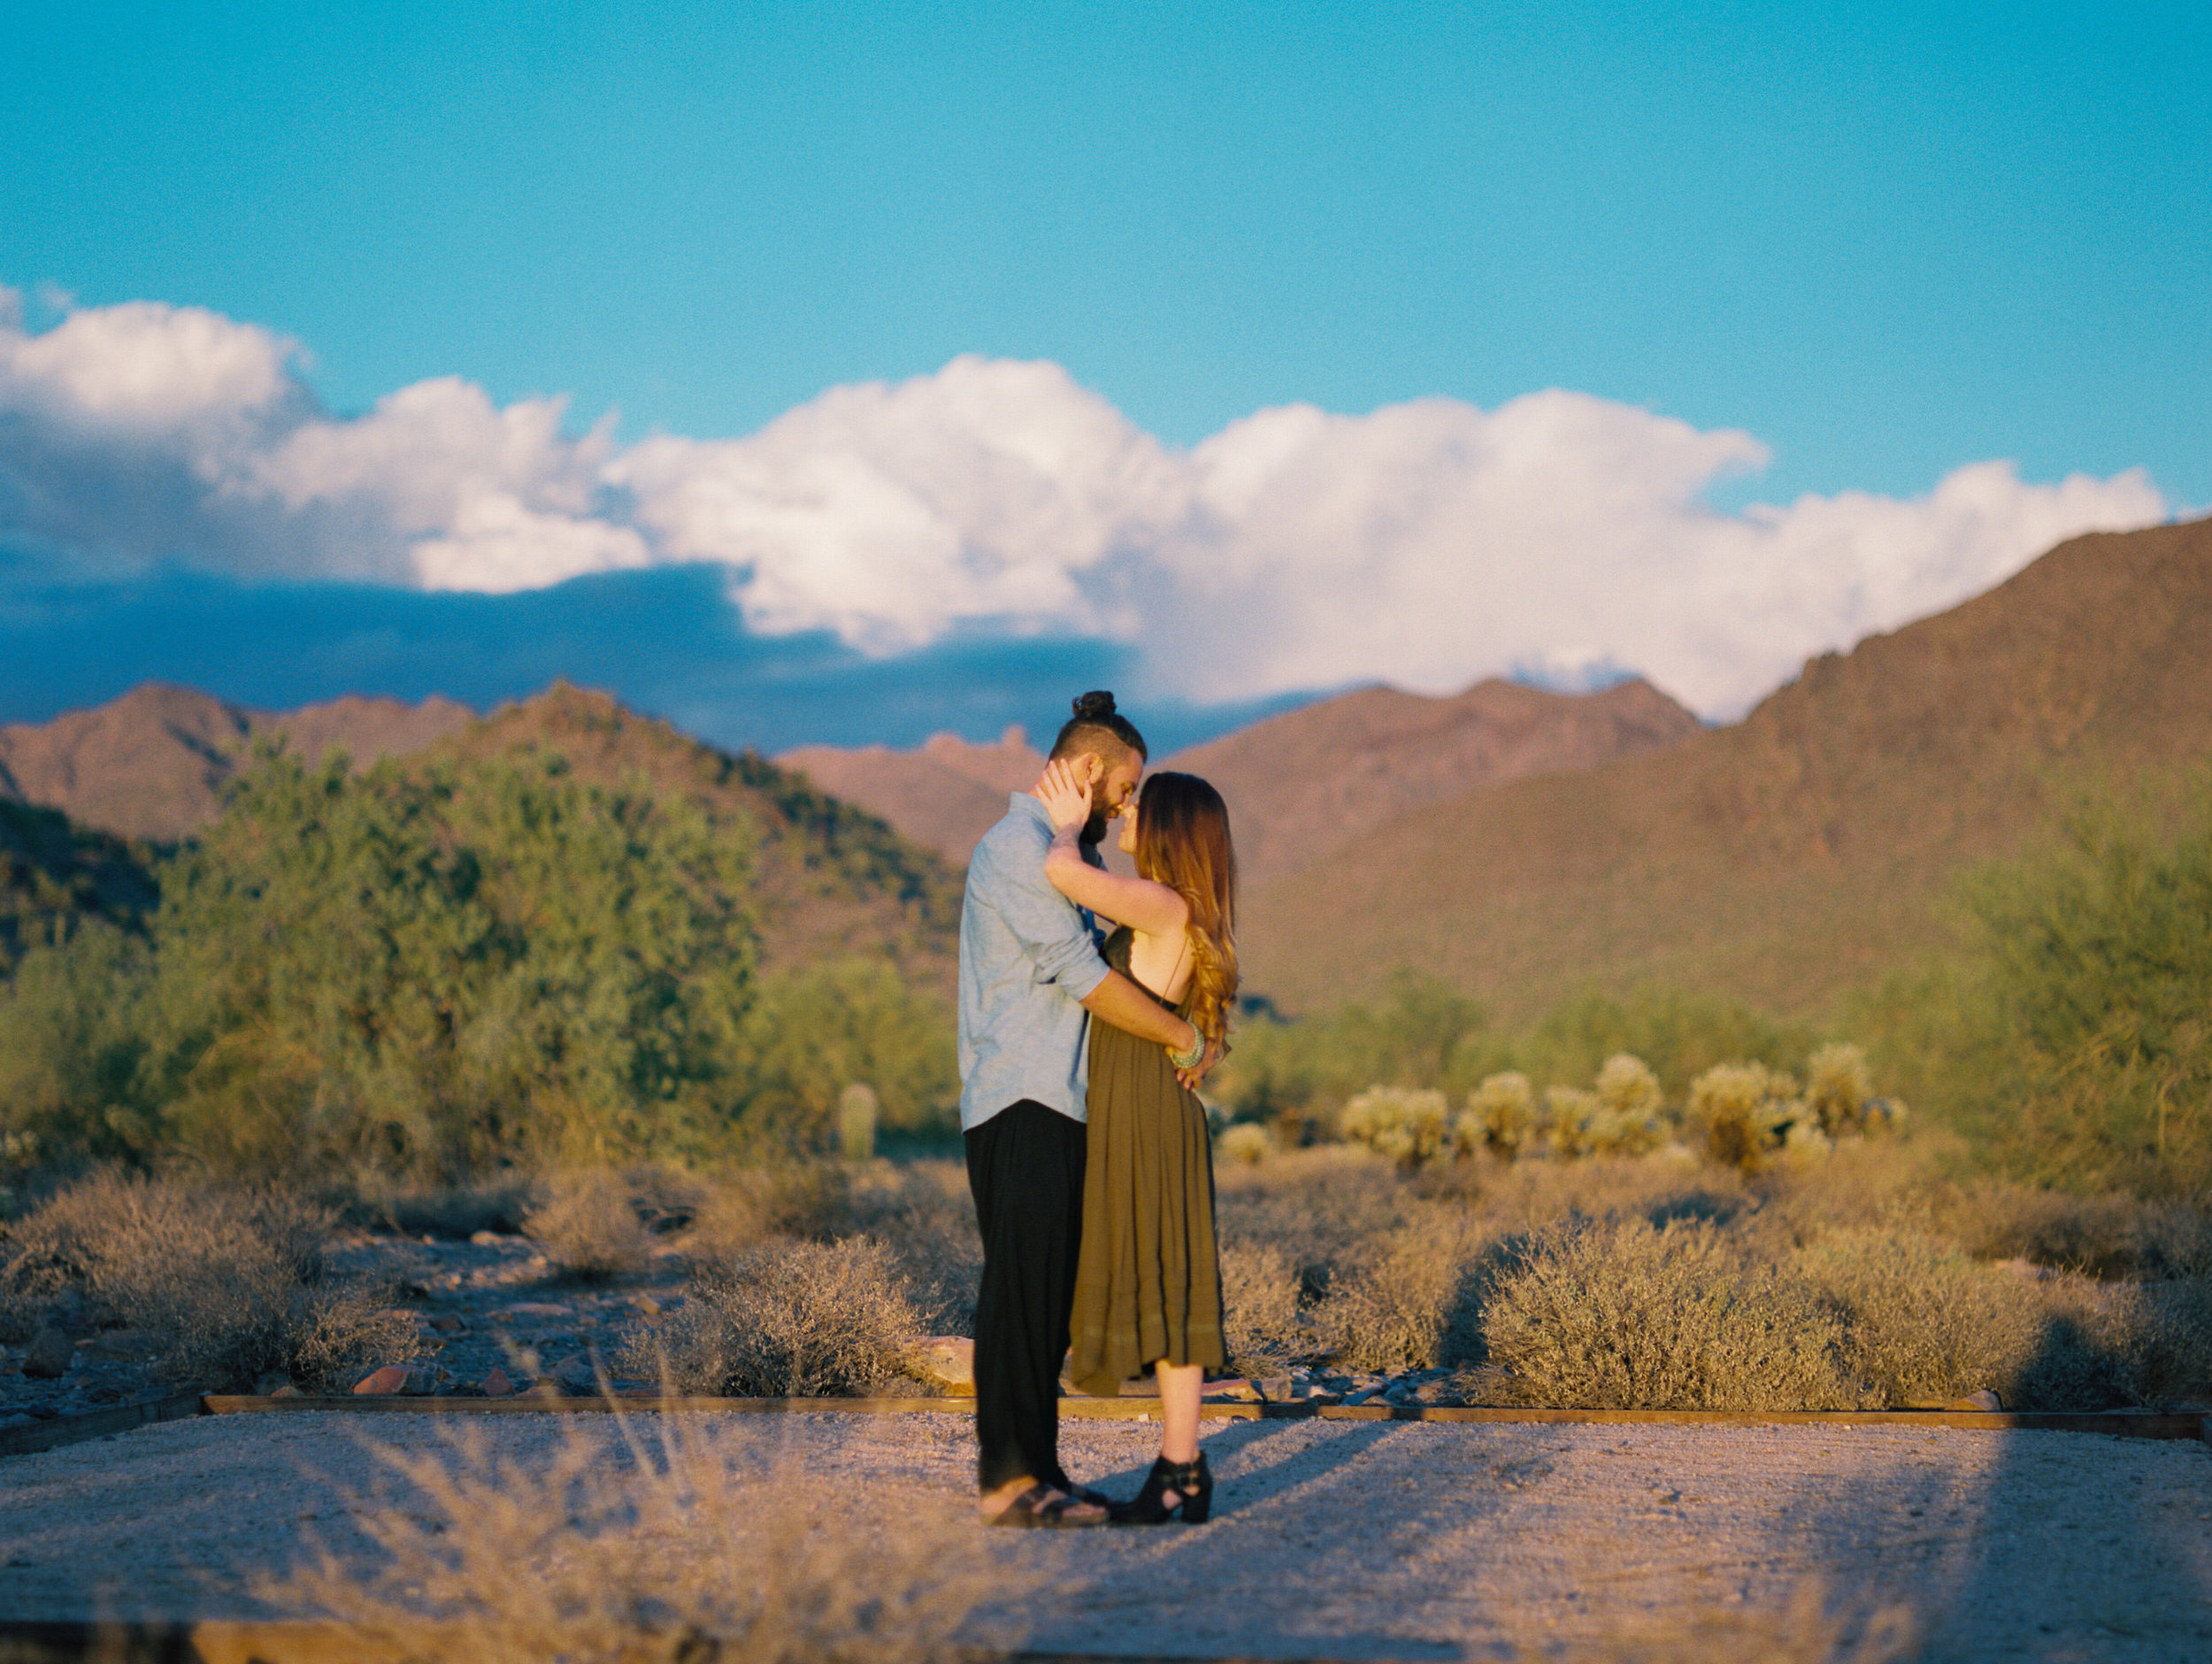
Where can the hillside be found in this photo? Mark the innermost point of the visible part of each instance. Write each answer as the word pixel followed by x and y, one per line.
pixel 1298 785
pixel 944 796
pixel 152 763
pixel 832 877
pixel 1305 784
pixel 1802 851
pixel 51 870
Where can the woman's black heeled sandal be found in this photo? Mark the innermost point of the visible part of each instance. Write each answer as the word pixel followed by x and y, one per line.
pixel 1194 1501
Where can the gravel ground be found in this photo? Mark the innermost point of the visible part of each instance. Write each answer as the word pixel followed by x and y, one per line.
pixel 1330 1539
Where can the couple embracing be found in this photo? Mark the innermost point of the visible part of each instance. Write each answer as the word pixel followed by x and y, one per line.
pixel 1087 1149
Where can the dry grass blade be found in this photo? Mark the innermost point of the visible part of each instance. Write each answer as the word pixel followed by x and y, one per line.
pixel 640 1550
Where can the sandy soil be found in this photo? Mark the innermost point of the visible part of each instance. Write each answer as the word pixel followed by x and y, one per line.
pixel 1330 1539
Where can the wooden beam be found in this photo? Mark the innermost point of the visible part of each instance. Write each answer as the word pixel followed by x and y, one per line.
pixel 2127 1424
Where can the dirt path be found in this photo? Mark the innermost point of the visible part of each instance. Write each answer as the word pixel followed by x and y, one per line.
pixel 1361 1540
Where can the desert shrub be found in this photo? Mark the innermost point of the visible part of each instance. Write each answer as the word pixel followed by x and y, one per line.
pixel 787 1319
pixel 2170 1350
pixel 335 1335
pixel 1501 1116
pixel 1660 1186
pixel 2126 1344
pixel 619 1546
pixel 1424 1034
pixel 1323 1208
pixel 71 1041
pixel 1247 1142
pixel 924 1213
pixel 1623 1316
pixel 814 1032
pixel 743 1207
pixel 1923 1324
pixel 1678 1033
pixel 456 1211
pixel 2111 1235
pixel 2067 1037
pixel 1414 1300
pixel 1406 1125
pixel 225 1281
pixel 1260 1320
pixel 590 1226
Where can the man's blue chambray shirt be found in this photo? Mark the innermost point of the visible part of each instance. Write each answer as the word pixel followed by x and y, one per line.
pixel 1028 957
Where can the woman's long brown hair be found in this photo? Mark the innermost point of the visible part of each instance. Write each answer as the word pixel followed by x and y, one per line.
pixel 1183 842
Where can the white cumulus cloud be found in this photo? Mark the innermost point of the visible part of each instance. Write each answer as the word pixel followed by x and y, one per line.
pixel 1424 544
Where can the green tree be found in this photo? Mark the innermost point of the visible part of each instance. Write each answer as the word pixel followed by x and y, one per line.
pixel 445 970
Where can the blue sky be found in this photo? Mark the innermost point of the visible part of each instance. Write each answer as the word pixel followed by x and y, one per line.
pixel 1885 243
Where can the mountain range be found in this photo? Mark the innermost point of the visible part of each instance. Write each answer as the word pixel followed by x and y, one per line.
pixel 1803 851
pixel 87 800
pixel 1520 844
pixel 1300 785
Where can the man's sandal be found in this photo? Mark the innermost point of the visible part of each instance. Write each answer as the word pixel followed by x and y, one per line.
pixel 1042 1507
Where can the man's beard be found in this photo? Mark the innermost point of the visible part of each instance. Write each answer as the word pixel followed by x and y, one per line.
pixel 1094 832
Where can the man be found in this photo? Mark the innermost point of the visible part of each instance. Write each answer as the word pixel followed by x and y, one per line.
pixel 1031 981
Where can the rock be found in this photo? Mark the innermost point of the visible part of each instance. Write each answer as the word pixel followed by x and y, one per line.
pixel 51 1354
pixel 287 1390
pixel 577 1377
pixel 1274 1388
pixel 544 1389
pixel 398 1378
pixel 485 1238
pixel 9 1424
pixel 497 1384
pixel 1435 1392
pixel 945 1362
pixel 270 1384
pixel 1984 1399
pixel 1235 1390
pixel 449 1323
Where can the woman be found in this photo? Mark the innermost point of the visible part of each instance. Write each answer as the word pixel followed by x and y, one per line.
pixel 1148 1283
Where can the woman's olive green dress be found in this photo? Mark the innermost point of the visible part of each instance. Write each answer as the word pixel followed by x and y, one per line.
pixel 1148 1285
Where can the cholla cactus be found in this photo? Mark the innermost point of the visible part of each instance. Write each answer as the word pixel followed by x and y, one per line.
pixel 1631 1104
pixel 1628 1087
pixel 1248 1141
pixel 1805 1143
pixel 1743 1110
pixel 1500 1117
pixel 1570 1114
pixel 1837 1088
pixel 1406 1125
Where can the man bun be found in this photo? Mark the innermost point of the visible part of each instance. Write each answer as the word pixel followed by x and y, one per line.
pixel 1098 726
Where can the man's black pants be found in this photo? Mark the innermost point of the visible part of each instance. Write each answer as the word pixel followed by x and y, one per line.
pixel 1025 1168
